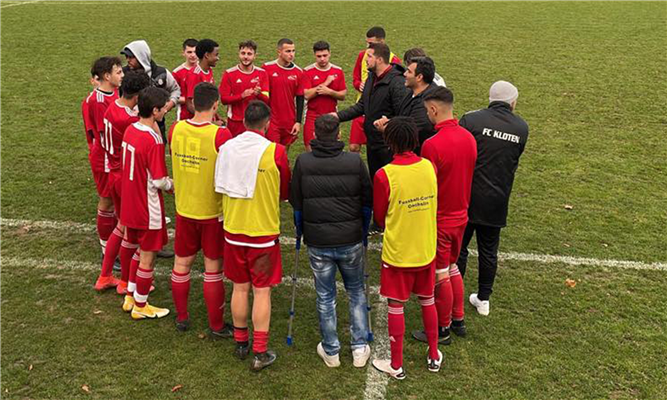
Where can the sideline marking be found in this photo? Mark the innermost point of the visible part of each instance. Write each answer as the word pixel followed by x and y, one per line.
pixel 20 4
pixel 514 256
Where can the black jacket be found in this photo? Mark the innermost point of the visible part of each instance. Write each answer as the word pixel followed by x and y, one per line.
pixel 501 138
pixel 413 106
pixel 330 187
pixel 378 99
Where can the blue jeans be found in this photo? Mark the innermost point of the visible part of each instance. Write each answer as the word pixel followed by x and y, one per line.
pixel 324 262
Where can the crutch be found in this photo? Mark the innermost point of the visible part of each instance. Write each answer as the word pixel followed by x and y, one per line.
pixel 291 310
pixel 367 289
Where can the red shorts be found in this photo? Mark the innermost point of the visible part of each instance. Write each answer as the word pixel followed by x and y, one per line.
pixel 100 167
pixel 235 127
pixel 114 185
pixel 147 239
pixel 261 267
pixel 397 283
pixel 193 235
pixel 309 129
pixel 357 134
pixel 279 134
pixel 449 245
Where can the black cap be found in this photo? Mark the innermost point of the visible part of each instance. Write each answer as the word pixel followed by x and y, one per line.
pixel 127 52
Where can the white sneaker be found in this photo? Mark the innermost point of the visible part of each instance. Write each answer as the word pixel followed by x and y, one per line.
pixel 330 361
pixel 360 356
pixel 385 366
pixel 434 365
pixel 482 306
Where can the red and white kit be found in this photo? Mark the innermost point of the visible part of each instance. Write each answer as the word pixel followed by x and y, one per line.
pixel 180 74
pixel 285 83
pixel 97 104
pixel 233 83
pixel 320 105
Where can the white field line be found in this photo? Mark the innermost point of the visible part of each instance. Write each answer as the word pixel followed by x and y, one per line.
pixel 503 256
pixel 19 4
pixel 376 381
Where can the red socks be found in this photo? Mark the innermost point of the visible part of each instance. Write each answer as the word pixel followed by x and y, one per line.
pixel 430 319
pixel 127 250
pixel 214 296
pixel 241 335
pixel 106 222
pixel 396 322
pixel 443 301
pixel 260 341
pixel 111 252
pixel 180 290
pixel 457 290
pixel 132 279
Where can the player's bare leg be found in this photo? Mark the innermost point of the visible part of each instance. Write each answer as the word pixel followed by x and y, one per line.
pixel 214 297
pixel 141 307
pixel 180 289
pixel 240 308
pixel 261 320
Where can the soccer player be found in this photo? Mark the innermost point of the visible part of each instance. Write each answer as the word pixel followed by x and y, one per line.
pixel 194 150
pixel 208 53
pixel 181 72
pixel 242 84
pixel 286 88
pixel 253 175
pixel 119 115
pixel 324 87
pixel 405 204
pixel 110 75
pixel 376 34
pixel 453 152
pixel 501 137
pixel 144 178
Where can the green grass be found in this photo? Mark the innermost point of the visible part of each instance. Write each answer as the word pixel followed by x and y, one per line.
pixel 592 78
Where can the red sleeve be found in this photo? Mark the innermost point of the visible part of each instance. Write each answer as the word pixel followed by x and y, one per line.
pixel 96 114
pixel 428 151
pixel 86 123
pixel 283 166
pixel 340 82
pixel 225 89
pixel 222 136
pixel 190 82
pixel 171 131
pixel 380 197
pixel 156 164
pixel 307 82
pixel 302 83
pixel 356 74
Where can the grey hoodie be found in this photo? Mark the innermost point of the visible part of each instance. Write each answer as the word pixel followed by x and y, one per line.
pixel 142 52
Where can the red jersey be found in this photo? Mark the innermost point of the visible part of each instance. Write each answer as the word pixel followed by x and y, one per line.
pixel 87 127
pixel 285 83
pixel 143 162
pixel 195 76
pixel 97 103
pixel 453 151
pixel 180 74
pixel 116 120
pixel 234 82
pixel 313 77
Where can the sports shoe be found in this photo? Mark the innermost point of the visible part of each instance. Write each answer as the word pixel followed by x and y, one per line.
pixel 106 282
pixel 242 350
pixel 482 306
pixel 121 289
pixel 444 336
pixel 165 253
pixel 128 303
pixel 360 356
pixel 148 311
pixel 434 365
pixel 182 326
pixel 459 328
pixel 385 366
pixel 263 360
pixel 330 361
pixel 226 332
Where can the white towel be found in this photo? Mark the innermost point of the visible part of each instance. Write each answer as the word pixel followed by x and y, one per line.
pixel 237 165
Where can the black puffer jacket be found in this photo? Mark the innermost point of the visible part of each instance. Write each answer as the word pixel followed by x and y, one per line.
pixel 413 106
pixel 330 187
pixel 383 97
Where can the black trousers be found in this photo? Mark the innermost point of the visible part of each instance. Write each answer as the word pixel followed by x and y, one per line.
pixel 378 157
pixel 488 238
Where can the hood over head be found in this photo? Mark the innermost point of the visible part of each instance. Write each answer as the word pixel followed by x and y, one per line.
pixel 140 50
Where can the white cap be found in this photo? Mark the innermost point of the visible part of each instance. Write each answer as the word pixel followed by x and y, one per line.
pixel 503 91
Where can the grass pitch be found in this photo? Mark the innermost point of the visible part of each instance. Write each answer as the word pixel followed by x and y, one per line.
pixel 592 78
